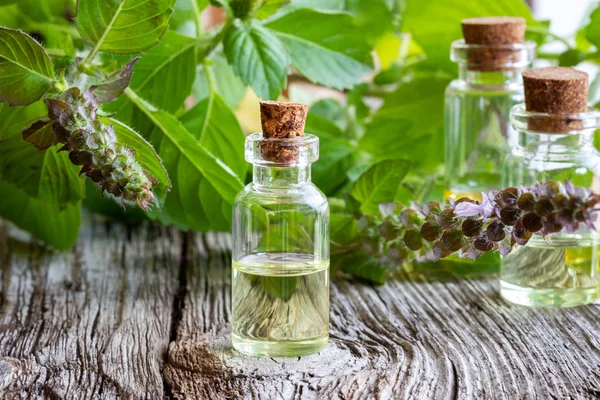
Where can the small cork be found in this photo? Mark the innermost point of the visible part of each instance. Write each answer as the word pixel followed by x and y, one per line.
pixel 281 120
pixel 493 31
pixel 555 90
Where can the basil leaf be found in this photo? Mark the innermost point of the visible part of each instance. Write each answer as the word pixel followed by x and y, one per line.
pixel 592 33
pixel 258 57
pixel 379 184
pixel 123 26
pixel 47 175
pixel 163 76
pixel 410 122
pixel 229 86
pixel 54 225
pixel 188 164
pixel 335 153
pixel 436 24
pixel 362 266
pixel 26 72
pixel 269 7
pixel 217 129
pixel 327 48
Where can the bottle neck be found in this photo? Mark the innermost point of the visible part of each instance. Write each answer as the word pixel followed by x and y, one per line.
pixel 552 145
pixel 280 177
pixel 511 77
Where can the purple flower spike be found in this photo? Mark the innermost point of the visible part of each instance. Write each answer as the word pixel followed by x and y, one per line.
pixel 469 228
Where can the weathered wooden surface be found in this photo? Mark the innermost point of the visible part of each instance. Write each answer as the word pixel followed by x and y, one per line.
pixel 406 339
pixel 95 323
pixel 92 323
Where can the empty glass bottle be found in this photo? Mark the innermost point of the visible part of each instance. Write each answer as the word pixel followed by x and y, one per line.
pixel 280 284
pixel 477 106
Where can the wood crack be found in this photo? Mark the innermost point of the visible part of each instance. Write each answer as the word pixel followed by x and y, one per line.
pixel 151 318
pixel 178 302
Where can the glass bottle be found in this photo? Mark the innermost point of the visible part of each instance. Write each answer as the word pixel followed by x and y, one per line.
pixel 562 269
pixel 477 107
pixel 280 283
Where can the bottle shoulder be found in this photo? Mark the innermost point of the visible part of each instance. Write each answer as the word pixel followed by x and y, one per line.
pixel 306 194
pixel 459 87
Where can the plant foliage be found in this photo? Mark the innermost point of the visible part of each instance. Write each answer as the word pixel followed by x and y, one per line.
pixel 141 100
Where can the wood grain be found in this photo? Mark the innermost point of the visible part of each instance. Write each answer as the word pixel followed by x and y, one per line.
pixel 92 323
pixel 410 338
pixel 96 323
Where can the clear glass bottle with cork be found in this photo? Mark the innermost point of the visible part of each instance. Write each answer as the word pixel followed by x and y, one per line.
pixel 280 282
pixel 555 142
pixel 490 60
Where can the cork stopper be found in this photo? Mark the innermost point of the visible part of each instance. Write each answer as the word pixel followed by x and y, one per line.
pixel 555 90
pixel 281 120
pixel 494 37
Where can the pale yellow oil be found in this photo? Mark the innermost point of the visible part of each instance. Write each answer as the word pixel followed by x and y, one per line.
pixel 557 271
pixel 458 193
pixel 280 304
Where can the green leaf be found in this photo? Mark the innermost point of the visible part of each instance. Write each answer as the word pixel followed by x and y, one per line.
pixel 188 164
pixel 123 26
pixel 361 265
pixel 54 225
pixel 163 76
pixel 47 10
pixel 336 153
pixel 47 175
pixel 217 129
pixel 344 231
pixel 410 122
pixel 571 58
pixel 7 2
pixel 183 14
pixel 144 152
pixel 278 286
pixel 327 48
pixel 26 72
pixel 453 266
pixel 374 18
pixel 592 32
pixel 258 57
pixel 326 5
pixel 379 184
pixel 269 7
pixel 43 174
pixel 435 24
pixel 229 86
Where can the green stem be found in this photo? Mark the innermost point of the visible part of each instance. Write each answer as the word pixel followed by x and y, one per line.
pixel 210 78
pixel 88 59
pixel 214 41
pixel 197 18
pixel 100 41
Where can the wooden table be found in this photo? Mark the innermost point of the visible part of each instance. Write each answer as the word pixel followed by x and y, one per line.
pixel 145 313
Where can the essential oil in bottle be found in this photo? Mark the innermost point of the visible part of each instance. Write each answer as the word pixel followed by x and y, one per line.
pixel 280 274
pixel 555 141
pixel 560 270
pixel 490 60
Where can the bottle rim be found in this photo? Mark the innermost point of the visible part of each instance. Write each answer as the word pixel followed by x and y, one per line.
pixel 570 124
pixel 305 150
pixel 516 55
